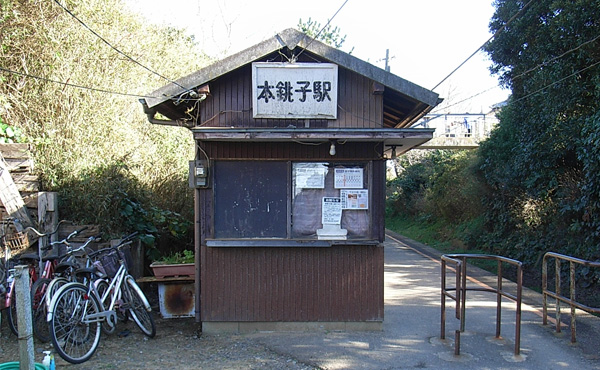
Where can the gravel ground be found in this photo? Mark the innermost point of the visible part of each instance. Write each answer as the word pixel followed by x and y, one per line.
pixel 178 344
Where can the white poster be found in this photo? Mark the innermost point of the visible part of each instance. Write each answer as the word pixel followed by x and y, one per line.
pixel 348 178
pixel 310 177
pixel 355 199
pixel 331 211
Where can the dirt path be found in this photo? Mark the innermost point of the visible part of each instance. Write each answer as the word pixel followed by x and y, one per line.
pixel 178 344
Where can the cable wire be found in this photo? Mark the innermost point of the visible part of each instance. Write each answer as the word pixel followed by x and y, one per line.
pixel 481 47
pixel 466 99
pixel 117 50
pixel 325 26
pixel 555 82
pixel 75 85
pixel 556 58
pixel 526 72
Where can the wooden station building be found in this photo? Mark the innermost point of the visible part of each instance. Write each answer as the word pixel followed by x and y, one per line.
pixel 292 136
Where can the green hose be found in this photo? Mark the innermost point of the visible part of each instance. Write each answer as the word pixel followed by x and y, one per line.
pixel 16 366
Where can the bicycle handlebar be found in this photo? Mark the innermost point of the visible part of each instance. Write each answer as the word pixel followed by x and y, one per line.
pixel 108 249
pixel 31 228
pixel 84 245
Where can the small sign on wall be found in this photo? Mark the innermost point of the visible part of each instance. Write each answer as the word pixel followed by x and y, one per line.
pixel 294 90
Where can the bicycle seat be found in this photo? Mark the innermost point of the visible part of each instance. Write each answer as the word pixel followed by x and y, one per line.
pixel 89 272
pixel 63 266
pixel 29 257
pixel 51 257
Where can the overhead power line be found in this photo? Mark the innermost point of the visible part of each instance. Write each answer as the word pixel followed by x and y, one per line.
pixel 481 47
pixel 321 30
pixel 74 85
pixel 464 100
pixel 555 82
pixel 545 63
pixel 114 48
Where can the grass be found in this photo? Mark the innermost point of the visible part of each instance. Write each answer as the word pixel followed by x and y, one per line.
pixel 439 235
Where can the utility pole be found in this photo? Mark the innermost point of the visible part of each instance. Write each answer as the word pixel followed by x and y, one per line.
pixel 387 59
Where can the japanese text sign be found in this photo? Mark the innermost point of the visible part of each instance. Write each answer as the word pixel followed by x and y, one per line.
pixel 294 90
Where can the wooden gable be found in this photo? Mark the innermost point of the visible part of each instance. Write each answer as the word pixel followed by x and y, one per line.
pixel 229 104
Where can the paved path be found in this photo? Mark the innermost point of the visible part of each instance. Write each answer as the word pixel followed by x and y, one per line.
pixel 411 330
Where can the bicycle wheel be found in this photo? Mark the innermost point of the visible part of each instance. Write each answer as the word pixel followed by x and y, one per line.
pixel 139 308
pixel 12 311
pixel 74 336
pixel 39 309
pixel 54 286
pixel 2 275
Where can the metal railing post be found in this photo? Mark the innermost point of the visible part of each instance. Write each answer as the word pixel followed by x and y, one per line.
pixel 461 288
pixel 557 294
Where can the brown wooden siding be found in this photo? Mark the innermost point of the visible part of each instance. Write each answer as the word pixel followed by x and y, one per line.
pixel 338 283
pixel 230 104
pixel 341 283
pixel 291 151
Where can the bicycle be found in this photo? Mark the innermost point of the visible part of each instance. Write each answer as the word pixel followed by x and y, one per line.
pixel 55 272
pixel 77 311
pixel 9 263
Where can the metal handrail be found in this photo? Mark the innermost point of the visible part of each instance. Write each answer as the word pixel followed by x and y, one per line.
pixel 460 261
pixel 571 300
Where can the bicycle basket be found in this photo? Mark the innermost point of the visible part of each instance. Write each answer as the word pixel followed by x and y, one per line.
pixel 110 260
pixel 127 257
pixel 110 263
pixel 17 241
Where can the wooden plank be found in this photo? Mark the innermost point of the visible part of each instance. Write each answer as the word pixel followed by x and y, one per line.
pixel 172 279
pixel 11 198
pixel 15 150
pixel 48 213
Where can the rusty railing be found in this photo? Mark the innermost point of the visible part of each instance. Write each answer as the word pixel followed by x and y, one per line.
pixel 460 296
pixel 571 300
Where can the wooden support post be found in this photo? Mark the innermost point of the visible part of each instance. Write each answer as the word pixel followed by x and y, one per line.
pixel 24 318
pixel 47 218
pixel 48 212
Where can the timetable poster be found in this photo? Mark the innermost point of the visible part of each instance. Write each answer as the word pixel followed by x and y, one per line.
pixel 348 178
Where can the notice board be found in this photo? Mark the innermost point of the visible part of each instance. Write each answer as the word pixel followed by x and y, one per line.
pixel 251 199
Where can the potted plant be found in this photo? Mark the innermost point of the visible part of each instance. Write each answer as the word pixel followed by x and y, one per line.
pixel 175 265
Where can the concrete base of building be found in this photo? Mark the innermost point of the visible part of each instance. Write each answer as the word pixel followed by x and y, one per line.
pixel 220 327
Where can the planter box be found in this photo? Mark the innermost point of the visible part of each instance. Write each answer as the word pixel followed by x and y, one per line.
pixel 163 270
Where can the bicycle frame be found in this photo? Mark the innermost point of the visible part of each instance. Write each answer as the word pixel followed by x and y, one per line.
pixel 113 292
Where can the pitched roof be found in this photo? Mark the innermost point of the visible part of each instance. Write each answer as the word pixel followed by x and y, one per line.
pixel 404 101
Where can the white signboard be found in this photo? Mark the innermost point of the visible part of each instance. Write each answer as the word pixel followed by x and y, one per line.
pixel 355 199
pixel 310 177
pixel 294 90
pixel 348 178
pixel 331 211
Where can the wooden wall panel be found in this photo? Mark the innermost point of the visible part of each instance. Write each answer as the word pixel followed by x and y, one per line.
pixel 230 104
pixel 340 283
pixel 291 151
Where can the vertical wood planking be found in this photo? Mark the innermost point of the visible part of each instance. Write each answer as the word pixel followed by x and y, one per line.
pixel 293 294
pixel 230 103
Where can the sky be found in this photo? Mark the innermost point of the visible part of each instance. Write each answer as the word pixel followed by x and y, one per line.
pixel 426 39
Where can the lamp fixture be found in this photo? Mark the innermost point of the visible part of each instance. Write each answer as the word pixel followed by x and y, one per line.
pixel 332 148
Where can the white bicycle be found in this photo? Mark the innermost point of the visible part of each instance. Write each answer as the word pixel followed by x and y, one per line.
pixel 78 311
